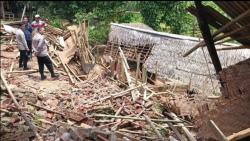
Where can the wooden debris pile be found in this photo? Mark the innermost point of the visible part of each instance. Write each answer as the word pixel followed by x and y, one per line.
pixel 71 49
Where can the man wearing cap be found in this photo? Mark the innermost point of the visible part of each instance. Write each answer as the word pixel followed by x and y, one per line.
pixel 38 23
pixel 23 47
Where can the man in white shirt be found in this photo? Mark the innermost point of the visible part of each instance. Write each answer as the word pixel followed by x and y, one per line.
pixel 41 51
pixel 23 47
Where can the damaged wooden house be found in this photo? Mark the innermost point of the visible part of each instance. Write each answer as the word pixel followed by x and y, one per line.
pixel 142 85
pixel 214 70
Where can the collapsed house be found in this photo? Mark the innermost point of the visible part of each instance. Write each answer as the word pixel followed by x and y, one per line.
pixel 162 54
pixel 88 102
pixel 117 95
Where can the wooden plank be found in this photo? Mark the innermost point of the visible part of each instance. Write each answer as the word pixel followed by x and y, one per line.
pixel 240 135
pixel 233 48
pixel 66 69
pixel 135 93
pixel 217 131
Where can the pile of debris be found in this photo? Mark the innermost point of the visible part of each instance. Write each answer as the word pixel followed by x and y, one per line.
pixel 104 100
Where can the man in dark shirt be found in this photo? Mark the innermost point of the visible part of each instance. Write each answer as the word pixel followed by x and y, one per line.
pixel 28 35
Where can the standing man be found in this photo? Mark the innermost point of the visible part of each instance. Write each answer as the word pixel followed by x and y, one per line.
pixel 38 23
pixel 23 47
pixel 28 35
pixel 41 51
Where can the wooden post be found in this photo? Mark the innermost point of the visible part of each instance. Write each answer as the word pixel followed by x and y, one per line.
pixel 2 9
pixel 207 37
pixel 156 70
pixel 144 74
pixel 26 119
pixel 138 68
pixel 24 9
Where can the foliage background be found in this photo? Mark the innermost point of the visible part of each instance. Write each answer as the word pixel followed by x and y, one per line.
pixel 166 16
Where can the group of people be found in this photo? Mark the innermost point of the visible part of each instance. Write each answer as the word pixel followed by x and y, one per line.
pixel 30 38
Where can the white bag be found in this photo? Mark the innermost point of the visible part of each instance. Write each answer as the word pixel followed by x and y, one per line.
pixel 9 29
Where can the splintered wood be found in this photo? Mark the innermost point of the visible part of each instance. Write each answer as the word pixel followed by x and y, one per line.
pixel 95 105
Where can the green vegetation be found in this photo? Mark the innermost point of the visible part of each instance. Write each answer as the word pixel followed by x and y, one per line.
pixel 166 16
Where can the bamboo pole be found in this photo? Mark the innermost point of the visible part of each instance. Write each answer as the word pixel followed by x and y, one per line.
pixel 11 68
pixel 52 60
pixel 66 69
pixel 73 73
pixel 120 94
pixel 217 131
pixel 135 118
pixel 135 93
pixel 137 68
pixel 153 127
pixel 241 16
pixel 186 131
pixel 202 43
pixel 27 120
pixel 118 111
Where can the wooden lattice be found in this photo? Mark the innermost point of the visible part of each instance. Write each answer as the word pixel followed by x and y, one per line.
pixel 130 51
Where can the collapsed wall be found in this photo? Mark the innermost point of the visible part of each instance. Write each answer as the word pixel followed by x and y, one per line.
pixel 231 115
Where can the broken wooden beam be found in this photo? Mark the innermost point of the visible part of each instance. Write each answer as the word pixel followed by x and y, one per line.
pixel 27 120
pixel 186 131
pixel 239 135
pixel 208 37
pixel 116 95
pixel 66 69
pixel 137 68
pixel 219 31
pixel 52 60
pixel 49 110
pixel 11 68
pixel 153 127
pixel 217 131
pixel 135 118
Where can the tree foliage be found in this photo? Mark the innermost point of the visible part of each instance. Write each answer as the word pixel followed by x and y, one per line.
pixel 167 16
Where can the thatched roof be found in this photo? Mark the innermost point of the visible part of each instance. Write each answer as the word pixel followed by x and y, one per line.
pixel 168 50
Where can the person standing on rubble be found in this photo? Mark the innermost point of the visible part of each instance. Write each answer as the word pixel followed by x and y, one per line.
pixel 38 23
pixel 28 35
pixel 41 51
pixel 23 47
